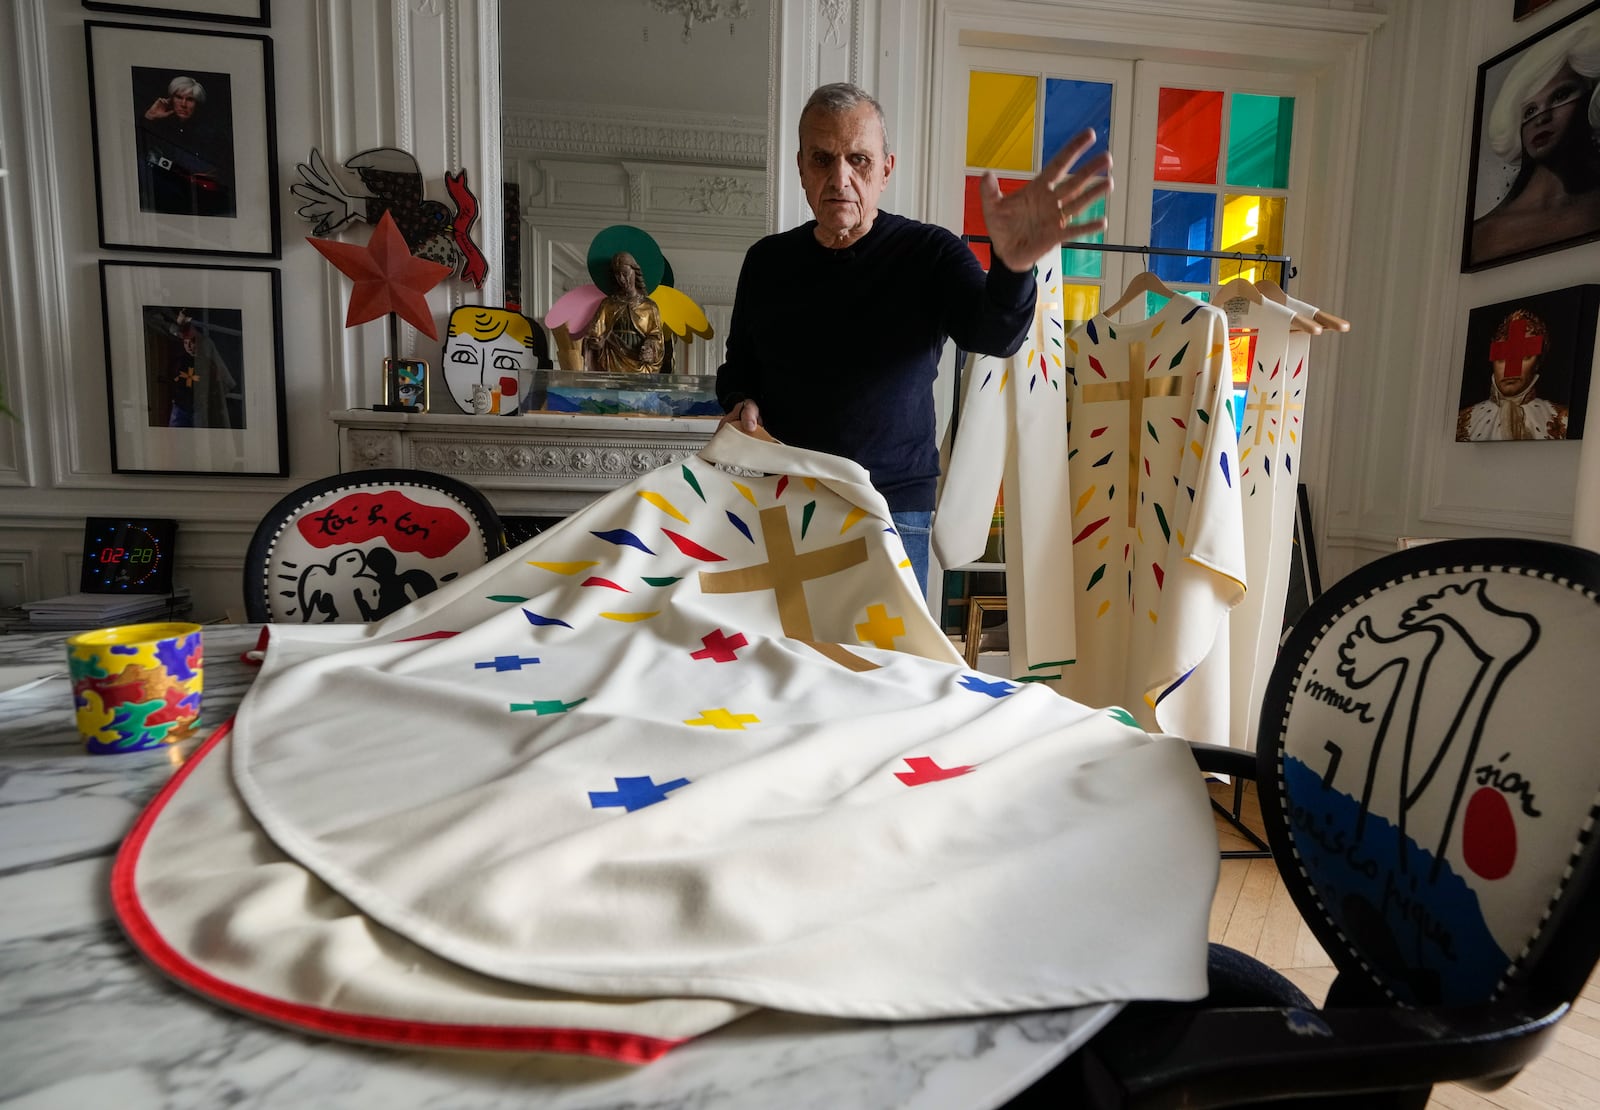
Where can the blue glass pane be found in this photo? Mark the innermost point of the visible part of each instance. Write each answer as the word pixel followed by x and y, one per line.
pixel 1179 220
pixel 1069 107
pixel 1081 263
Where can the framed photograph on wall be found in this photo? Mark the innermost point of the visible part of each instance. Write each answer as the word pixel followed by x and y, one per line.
pixel 255 12
pixel 185 148
pixel 1528 367
pixel 1534 185
pixel 194 369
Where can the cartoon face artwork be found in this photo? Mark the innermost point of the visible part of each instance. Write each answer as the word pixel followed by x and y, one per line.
pixel 487 347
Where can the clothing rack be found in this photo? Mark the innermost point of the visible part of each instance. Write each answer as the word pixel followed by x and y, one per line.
pixel 1286 261
pixel 1233 817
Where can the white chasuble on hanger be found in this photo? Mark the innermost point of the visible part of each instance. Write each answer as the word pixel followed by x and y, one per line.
pixel 1269 450
pixel 1013 432
pixel 1157 539
pixel 701 741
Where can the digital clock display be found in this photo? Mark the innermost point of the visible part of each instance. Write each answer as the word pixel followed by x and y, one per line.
pixel 127 556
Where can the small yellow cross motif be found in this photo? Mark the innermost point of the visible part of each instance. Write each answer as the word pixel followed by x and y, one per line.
pixel 1134 391
pixel 187 376
pixel 880 629
pixel 1261 406
pixel 722 718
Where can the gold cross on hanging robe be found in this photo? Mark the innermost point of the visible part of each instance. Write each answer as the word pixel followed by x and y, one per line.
pixel 1134 391
pixel 1261 407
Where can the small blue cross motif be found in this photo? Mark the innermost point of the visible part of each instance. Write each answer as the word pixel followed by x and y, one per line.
pixel 998 689
pixel 507 663
pixel 634 793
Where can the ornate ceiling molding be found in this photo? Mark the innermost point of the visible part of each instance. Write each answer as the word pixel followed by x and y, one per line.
pixel 549 127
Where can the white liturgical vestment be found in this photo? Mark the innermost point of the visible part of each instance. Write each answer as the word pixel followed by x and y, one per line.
pixel 1157 534
pixel 698 748
pixel 1013 431
pixel 1271 428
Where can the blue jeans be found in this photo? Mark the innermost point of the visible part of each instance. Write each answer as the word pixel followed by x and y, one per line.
pixel 914 529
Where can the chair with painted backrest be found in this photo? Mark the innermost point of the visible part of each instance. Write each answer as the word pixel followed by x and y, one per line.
pixel 1428 773
pixel 356 547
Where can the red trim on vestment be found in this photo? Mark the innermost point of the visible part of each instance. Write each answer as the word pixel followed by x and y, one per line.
pixel 633 1048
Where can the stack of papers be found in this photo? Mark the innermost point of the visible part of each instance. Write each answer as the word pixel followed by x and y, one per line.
pixel 103 610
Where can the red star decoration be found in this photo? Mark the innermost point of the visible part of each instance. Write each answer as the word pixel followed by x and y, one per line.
pixel 388 277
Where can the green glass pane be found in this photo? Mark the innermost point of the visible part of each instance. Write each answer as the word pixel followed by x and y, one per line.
pixel 1153 302
pixel 1251 224
pixel 1081 263
pixel 1001 108
pixel 1260 133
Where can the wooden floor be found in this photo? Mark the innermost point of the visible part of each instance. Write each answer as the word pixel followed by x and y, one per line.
pixel 1253 913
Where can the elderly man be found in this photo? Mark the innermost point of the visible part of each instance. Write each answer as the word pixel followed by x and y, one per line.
pixel 886 292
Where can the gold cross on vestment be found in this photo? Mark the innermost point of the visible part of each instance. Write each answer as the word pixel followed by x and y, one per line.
pixel 785 573
pixel 1260 406
pixel 1134 391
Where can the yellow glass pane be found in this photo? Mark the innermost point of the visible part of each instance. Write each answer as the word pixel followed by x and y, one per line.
pixel 1251 225
pixel 1000 120
pixel 1078 303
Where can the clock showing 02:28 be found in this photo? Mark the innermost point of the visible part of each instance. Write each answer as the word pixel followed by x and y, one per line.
pixel 124 555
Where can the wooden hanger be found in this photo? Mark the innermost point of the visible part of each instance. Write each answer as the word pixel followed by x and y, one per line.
pixel 1239 287
pixel 1145 282
pixel 1273 292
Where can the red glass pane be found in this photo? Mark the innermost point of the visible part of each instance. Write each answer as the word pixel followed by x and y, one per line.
pixel 972 222
pixel 1188 135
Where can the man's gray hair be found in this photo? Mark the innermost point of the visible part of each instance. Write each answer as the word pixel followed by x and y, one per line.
pixel 842 97
pixel 188 85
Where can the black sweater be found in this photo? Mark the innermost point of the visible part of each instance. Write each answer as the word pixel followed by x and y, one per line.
pixel 840 347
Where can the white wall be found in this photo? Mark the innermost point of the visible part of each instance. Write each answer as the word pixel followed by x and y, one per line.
pixel 350 75
pixel 1398 468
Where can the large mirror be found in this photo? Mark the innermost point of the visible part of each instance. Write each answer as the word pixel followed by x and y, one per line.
pixel 640 112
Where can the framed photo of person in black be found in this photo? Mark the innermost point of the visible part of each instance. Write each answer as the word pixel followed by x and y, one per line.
pixel 185 153
pixel 1534 185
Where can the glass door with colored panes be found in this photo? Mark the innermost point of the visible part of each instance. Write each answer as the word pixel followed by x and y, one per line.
pixel 1019 109
pixel 1214 170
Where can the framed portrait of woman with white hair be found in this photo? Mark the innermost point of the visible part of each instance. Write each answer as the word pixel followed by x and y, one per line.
pixel 184 139
pixel 1535 182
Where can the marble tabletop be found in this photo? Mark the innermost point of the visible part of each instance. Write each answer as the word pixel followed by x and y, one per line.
pixel 84 1021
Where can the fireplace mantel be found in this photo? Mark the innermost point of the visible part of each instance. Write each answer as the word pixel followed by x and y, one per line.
pixel 537 464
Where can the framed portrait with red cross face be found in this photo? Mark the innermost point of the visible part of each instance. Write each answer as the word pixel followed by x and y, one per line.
pixel 1527 367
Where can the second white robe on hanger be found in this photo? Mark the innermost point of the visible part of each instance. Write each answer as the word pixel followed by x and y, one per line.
pixel 1269 446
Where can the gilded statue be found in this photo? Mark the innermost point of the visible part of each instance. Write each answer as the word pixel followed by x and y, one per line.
pixel 626 336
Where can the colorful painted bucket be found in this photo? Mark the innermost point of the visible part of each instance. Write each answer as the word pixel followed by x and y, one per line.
pixel 137 686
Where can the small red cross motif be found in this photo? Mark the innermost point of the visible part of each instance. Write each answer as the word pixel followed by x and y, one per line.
pixel 719 647
pixel 1517 345
pixel 925 770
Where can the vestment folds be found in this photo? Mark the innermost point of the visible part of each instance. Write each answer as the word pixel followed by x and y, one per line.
pixel 703 740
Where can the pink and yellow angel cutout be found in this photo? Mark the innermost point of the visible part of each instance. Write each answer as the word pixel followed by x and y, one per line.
pixel 573 312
